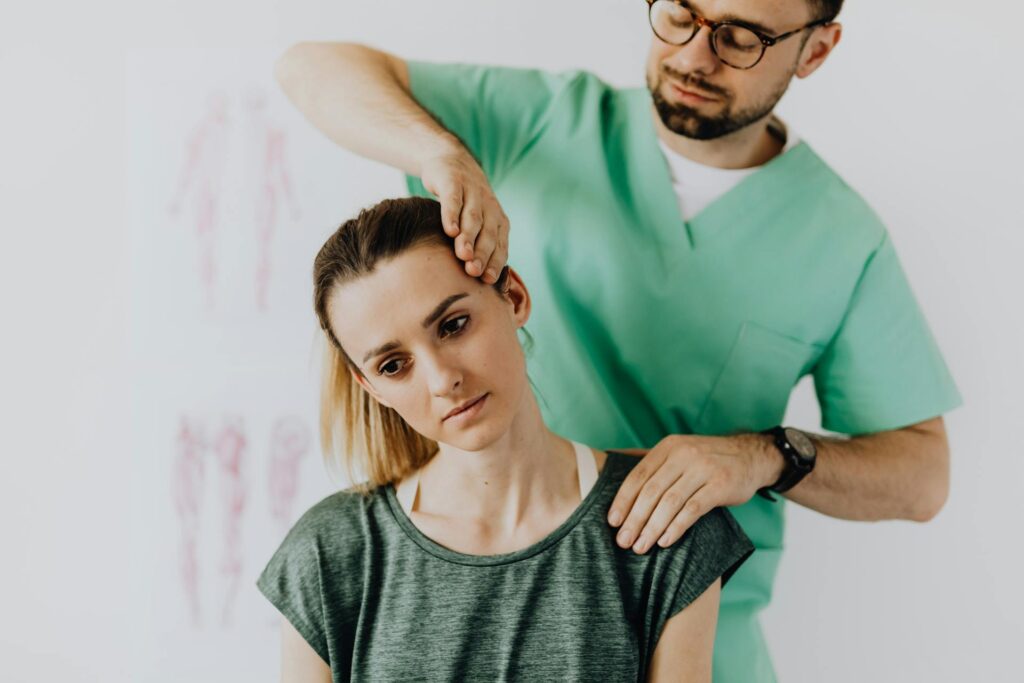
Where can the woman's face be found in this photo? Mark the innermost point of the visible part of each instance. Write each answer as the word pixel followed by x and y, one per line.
pixel 435 344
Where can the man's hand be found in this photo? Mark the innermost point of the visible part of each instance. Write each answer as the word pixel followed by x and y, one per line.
pixel 684 477
pixel 470 212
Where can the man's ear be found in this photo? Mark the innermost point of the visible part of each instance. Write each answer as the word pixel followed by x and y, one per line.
pixel 819 46
pixel 515 291
pixel 365 384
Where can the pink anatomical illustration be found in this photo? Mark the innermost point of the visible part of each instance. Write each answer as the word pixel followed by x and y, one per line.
pixel 187 490
pixel 211 548
pixel 271 184
pixel 289 443
pixel 200 187
pixel 229 450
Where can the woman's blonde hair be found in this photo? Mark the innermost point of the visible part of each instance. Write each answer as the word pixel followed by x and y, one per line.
pixel 364 437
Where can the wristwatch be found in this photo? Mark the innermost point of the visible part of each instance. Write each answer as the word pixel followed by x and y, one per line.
pixel 798 451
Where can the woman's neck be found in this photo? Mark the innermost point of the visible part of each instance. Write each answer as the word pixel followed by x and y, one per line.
pixel 528 476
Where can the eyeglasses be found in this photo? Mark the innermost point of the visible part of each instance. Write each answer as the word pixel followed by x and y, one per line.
pixel 735 43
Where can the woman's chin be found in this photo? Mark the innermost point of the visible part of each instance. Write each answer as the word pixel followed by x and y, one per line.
pixel 475 437
pixel 472 439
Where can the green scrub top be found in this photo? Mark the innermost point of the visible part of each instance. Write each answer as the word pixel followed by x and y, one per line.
pixel 645 325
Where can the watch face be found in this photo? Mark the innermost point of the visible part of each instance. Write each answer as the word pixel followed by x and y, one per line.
pixel 803 445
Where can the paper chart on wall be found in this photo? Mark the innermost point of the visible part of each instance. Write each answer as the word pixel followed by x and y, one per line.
pixel 230 194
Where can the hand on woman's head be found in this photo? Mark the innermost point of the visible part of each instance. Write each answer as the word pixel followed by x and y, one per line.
pixel 428 340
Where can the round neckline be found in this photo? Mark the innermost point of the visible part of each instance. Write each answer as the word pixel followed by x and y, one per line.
pixel 444 553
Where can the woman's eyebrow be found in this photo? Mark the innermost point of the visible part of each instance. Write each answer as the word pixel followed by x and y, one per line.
pixel 427 322
pixel 383 348
pixel 441 308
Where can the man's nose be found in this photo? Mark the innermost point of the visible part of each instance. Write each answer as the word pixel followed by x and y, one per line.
pixel 696 57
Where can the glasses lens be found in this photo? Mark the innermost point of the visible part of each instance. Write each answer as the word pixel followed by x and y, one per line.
pixel 738 46
pixel 672 22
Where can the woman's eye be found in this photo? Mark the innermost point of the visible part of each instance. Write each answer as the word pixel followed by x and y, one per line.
pixel 453 326
pixel 392 367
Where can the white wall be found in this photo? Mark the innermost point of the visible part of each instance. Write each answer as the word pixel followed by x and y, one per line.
pixel 919 109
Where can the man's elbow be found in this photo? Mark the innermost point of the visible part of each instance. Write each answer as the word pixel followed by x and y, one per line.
pixel 291 63
pixel 933 492
pixel 930 504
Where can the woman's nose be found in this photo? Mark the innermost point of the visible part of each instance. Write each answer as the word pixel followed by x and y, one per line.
pixel 443 376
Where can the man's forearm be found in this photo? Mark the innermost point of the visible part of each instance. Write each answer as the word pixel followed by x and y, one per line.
pixel 359 97
pixel 899 474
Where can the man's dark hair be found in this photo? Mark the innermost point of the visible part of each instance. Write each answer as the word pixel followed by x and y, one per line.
pixel 825 9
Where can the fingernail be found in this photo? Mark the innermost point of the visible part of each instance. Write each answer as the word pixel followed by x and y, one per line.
pixel 664 542
pixel 477 264
pixel 625 538
pixel 491 274
pixel 615 518
pixel 641 545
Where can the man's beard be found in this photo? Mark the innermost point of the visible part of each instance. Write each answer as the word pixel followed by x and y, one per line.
pixel 688 122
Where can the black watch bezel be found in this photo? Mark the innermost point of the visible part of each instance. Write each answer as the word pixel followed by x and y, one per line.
pixel 798 465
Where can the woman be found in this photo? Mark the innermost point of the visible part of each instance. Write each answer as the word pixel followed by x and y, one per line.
pixel 479 547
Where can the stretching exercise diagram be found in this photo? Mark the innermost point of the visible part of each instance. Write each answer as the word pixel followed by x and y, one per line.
pixel 221 447
pixel 229 449
pixel 187 491
pixel 272 186
pixel 289 442
pixel 206 188
pixel 200 185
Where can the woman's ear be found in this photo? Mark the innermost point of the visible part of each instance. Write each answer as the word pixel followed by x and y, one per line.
pixel 365 384
pixel 514 289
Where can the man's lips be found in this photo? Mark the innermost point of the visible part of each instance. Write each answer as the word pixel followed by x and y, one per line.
pixel 691 94
pixel 465 406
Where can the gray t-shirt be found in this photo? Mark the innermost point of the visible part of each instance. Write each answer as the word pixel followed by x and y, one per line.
pixel 380 601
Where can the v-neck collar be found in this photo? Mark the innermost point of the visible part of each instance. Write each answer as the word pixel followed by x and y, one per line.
pixel 759 192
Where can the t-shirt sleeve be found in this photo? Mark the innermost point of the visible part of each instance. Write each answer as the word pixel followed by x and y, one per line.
pixel 291 582
pixel 714 547
pixel 883 369
pixel 497 112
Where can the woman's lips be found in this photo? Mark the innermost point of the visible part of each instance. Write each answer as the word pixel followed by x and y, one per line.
pixel 467 410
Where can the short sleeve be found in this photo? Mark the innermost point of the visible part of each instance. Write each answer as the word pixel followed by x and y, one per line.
pixel 291 582
pixel 883 369
pixel 713 548
pixel 497 112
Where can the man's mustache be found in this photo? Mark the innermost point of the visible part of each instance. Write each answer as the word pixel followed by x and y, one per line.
pixel 695 83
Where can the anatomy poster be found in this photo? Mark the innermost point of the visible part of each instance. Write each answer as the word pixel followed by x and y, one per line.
pixel 230 194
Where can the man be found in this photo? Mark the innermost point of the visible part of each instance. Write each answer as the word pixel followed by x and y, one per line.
pixel 690 260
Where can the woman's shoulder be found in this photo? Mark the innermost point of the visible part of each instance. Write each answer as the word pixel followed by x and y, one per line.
pixel 339 519
pixel 316 576
pixel 716 540
pixel 617 466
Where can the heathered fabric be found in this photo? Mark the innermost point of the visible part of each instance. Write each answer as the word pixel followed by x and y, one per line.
pixel 379 601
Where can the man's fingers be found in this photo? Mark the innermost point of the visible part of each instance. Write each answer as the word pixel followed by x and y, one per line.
pixel 630 487
pixel 451 208
pixel 486 243
pixel 696 507
pixel 667 510
pixel 499 256
pixel 470 225
pixel 646 500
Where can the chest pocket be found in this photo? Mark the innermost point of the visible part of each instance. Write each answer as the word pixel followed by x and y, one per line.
pixel 754 385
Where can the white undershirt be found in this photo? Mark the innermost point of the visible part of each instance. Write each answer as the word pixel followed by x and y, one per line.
pixel 697 185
